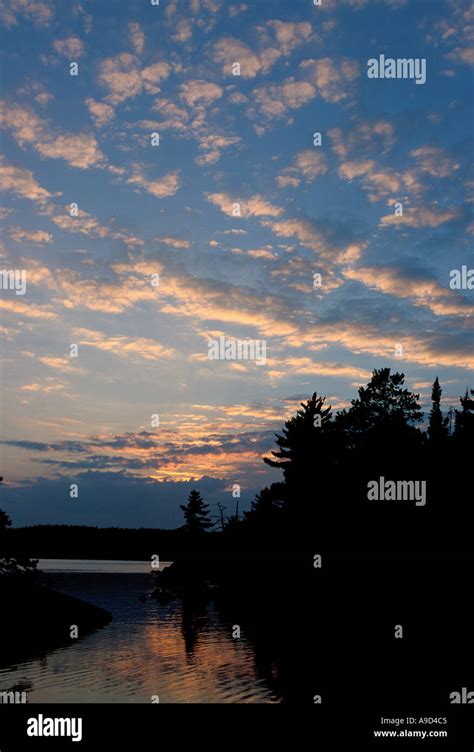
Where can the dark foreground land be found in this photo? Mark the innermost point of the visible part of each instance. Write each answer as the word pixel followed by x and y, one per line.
pixel 36 619
pixel 334 632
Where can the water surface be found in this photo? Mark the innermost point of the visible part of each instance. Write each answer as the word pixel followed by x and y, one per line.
pixel 176 652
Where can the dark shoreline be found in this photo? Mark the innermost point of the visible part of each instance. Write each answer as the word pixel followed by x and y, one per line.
pixel 39 619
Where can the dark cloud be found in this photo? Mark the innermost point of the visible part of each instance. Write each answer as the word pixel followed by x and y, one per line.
pixel 112 499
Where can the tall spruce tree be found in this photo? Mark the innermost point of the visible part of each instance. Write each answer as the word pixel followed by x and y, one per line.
pixel 302 440
pixel 196 514
pixel 438 426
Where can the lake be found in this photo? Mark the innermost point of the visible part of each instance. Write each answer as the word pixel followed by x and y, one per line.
pixel 179 654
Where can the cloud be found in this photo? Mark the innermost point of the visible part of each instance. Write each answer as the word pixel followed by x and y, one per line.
pixel 365 137
pixel 290 34
pixel 380 182
pixel 156 503
pixel 355 168
pixel 175 242
pixel 184 30
pixel 321 238
pixel 50 385
pixel 43 98
pixel 287 181
pixel 22 183
pixel 308 165
pixel 420 217
pixel 137 37
pixel 32 236
pixel 432 349
pixel 270 315
pixel 101 112
pixel 71 47
pixel 456 30
pixel 78 149
pixel 25 126
pixel 255 206
pixel 121 76
pixel 28 310
pixel 166 185
pixel 275 100
pixel 229 50
pixel 84 223
pixel 175 118
pixel 191 124
pixel 199 91
pixel 199 6
pixel 417 285
pixel 168 455
pixel 279 39
pixel 304 366
pixel 152 75
pixel 212 144
pixel 65 365
pixel 126 287
pixel 124 347
pixel 88 225
pixel 262 253
pixel 333 80
pixel 198 300
pixel 463 55
pixel 39 12
pixel 434 161
pixel 234 10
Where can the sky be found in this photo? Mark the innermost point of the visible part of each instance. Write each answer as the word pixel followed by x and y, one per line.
pixel 158 196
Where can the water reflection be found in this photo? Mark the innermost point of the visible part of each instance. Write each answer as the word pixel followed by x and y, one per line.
pixel 181 651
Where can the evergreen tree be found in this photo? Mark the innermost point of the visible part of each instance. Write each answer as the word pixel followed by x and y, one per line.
pixel 464 421
pixel 306 452
pixel 383 404
pixel 302 439
pixel 5 521
pixel 196 514
pixel 438 426
pixel 264 509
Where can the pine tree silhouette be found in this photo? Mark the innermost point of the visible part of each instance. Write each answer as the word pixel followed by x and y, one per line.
pixel 464 421
pixel 438 426
pixel 196 514
pixel 302 438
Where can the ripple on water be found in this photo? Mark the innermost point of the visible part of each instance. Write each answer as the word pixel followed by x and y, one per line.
pixel 178 654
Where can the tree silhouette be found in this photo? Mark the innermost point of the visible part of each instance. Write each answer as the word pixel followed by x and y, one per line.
pixel 438 426
pixel 196 514
pixel 464 421
pixel 302 438
pixel 9 565
pixel 383 403
pixel 264 509
pixel 5 521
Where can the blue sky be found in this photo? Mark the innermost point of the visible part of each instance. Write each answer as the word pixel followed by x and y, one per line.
pixel 168 210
